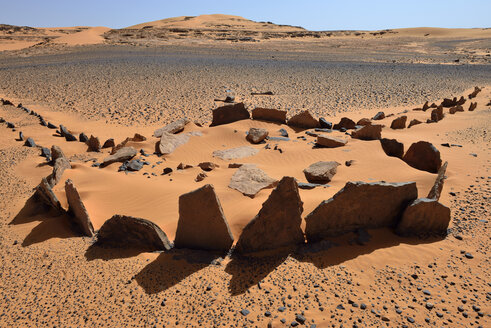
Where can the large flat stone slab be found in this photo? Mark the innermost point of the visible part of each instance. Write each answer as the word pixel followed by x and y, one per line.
pixel 77 210
pixel 235 153
pixel 249 180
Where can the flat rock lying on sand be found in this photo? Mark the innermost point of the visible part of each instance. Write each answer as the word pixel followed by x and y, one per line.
pixel 424 217
pixel 360 205
pixel 303 120
pixel 436 190
pixel 235 153
pixel 172 128
pixel 323 140
pixel 368 132
pixel 321 172
pixel 47 196
pixel 169 142
pixel 229 113
pixel 202 224
pixel 422 155
pixel 345 123
pixel 249 180
pixel 392 147
pixel 94 144
pixel 128 232
pixel 61 164
pixel 256 135
pixel 269 115
pixel 77 210
pixel 122 155
pixel 399 123
pixel 277 225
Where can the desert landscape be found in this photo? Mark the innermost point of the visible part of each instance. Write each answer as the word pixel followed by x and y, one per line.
pixel 214 171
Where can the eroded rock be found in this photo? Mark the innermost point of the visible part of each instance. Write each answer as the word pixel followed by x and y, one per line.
pixel 229 113
pixel 436 190
pixel 235 153
pixel 122 155
pixel 423 156
pixel 392 147
pixel 303 120
pixel 249 180
pixel 269 115
pixel 256 135
pixel 324 140
pixel 424 217
pixel 321 172
pixel 77 210
pixel 169 142
pixel 399 123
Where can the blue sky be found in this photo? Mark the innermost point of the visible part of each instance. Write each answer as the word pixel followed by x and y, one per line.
pixel 311 14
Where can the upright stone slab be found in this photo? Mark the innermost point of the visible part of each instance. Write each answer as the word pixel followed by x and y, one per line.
pixel 47 196
pixel 76 209
pixel 202 224
pixel 269 115
pixel 422 155
pixel 436 190
pixel 360 205
pixel 424 217
pixel 304 120
pixel 128 232
pixel 277 225
pixel 229 113
pixel 61 164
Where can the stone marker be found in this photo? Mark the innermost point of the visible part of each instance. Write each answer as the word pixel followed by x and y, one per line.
pixel 128 232
pixel 436 190
pixel 47 196
pixel 392 147
pixel 109 143
pixel 77 210
pixel 277 225
pixel 414 122
pixel 345 123
pixel 202 224
pixel 94 144
pixel 60 165
pixel 379 116
pixel 56 153
pixel 360 205
pixel 399 123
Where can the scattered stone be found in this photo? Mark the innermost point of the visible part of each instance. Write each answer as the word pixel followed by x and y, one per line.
pixel 283 133
pixel 138 138
pixel 368 132
pixel 414 122
pixel 345 123
pixel 474 93
pixel 425 106
pixel 200 177
pixel 436 190
pixel 172 128
pixel 202 224
pixel 94 144
pixel 379 116
pixel 449 102
pixel 423 156
pixel 399 123
pixel 109 143
pixel 169 142
pixel 10 125
pixel 234 165
pixel 472 106
pixel 69 137
pixel 122 155
pixel 83 138
pixel 229 113
pixel 321 172
pixel 60 165
pixel 277 224
pixel 249 180
pixel 303 120
pixel 309 186
pixel 122 231
pixel 255 135
pixel 364 121
pixel 21 136
pixel 469 255
pixel 77 209
pixel 330 142
pixel 208 166
pixel 269 115
pixel 30 142
pixel 183 166
pixel 424 217
pixel 52 126
pixel 235 153
pixel 360 205
pixel 349 162
pixel 392 147
pixel 167 170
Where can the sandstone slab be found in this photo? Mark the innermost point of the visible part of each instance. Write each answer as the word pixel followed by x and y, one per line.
pixel 368 132
pixel 424 217
pixel 172 128
pixel 249 180
pixel 321 172
pixel 269 115
pixel 324 140
pixel 122 155
pixel 77 210
pixel 303 120
pixel 235 153
pixel 229 113
pixel 423 156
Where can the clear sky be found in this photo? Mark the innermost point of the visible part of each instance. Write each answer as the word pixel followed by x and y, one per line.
pixel 311 14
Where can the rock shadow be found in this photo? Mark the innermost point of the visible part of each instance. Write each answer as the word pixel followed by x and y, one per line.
pixel 33 210
pixel 171 267
pixel 97 252
pixel 249 271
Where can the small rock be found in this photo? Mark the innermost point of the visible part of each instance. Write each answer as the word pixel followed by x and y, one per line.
pixel 321 172
pixel 399 123
pixel 30 142
pixel 208 166
pixel 330 142
pixel 379 116
pixel 83 138
pixel 255 135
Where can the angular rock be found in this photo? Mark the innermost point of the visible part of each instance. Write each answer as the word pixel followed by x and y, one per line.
pixel 94 144
pixel 283 133
pixel 52 126
pixel 70 137
pixel 183 166
pixel 208 166
pixel 379 116
pixel 56 153
pixel 134 165
pixel 399 123
pixel 229 113
pixel 109 143
pixel 30 142
pixel 345 123
pixel 449 102
pixel 324 123
pixel 138 138
pixel 474 93
pixel 255 135
pixel 424 217
pixel 77 210
pixel 200 177
pixel 10 125
pixel 423 156
pixel 60 165
pixel 249 180
pixel 321 172
pixel 472 106
pixel 277 225
pixel 46 153
pixel 392 147
pixel 63 130
pixel 368 132
pixel 202 224
pixel 235 153
pixel 122 155
pixel 414 122
pixel 128 232
pixel 269 115
pixel 461 101
pixel 425 107
pixel 437 114
pixel 303 120
pixel 360 205
pixel 169 142
pixel 21 136
pixel 172 128
pixel 364 121
pixel 83 137
pixel 324 140
pixel 47 196
pixel 456 109
pixel 436 190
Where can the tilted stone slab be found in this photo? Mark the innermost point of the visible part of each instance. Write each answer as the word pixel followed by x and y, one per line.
pixel 77 210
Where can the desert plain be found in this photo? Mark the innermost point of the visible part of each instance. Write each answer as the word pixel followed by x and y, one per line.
pixel 230 107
